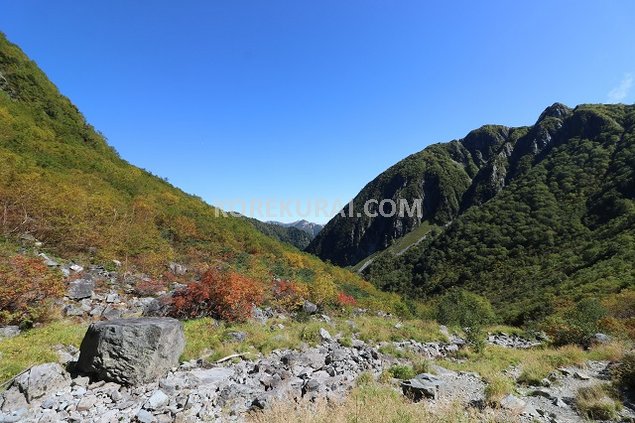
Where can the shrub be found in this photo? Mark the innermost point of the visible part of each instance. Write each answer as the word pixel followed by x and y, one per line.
pixel 346 300
pixel 465 309
pixel 399 371
pixel 27 289
pixel 228 295
pixel 624 373
pixel 576 325
pixel 323 290
pixel 149 287
pixel 289 295
pixel 469 311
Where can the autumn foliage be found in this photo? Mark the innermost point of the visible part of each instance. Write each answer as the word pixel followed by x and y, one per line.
pixel 27 287
pixel 227 295
pixel 346 300
pixel 288 295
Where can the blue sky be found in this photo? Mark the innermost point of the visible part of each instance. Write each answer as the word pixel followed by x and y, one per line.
pixel 308 101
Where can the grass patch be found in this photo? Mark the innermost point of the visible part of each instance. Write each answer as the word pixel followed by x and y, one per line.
pixel 375 402
pixel 597 403
pixel 36 346
pixel 497 388
pixel 400 371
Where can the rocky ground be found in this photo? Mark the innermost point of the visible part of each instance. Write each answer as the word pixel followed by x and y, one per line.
pixel 228 390
pixel 201 391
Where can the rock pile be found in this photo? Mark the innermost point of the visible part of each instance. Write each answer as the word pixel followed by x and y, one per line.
pixel 192 392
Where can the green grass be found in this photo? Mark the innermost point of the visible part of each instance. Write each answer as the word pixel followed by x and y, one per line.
pixel 36 346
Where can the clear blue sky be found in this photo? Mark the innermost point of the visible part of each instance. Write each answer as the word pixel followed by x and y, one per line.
pixel 312 99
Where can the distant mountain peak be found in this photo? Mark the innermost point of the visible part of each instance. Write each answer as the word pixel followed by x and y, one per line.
pixel 556 110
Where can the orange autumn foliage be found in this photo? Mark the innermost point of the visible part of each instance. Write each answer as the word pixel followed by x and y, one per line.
pixel 227 295
pixel 346 300
pixel 27 287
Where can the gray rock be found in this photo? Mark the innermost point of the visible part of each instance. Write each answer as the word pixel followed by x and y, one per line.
pixel 309 307
pixel 580 375
pixel 237 336
pixel 86 403
pixel 9 331
pixel 559 403
pixel 177 269
pixel 13 417
pixel 422 386
pixel 40 380
pixel 212 376
pixel 131 351
pixel 73 311
pixel 510 402
pixel 81 288
pixel 259 315
pixel 112 298
pixel 325 335
pixel 600 338
pixel 13 400
pixel 111 313
pixel 144 416
pixel 76 268
pixel 48 261
pixel 157 401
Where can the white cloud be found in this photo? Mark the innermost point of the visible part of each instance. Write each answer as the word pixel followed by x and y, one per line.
pixel 620 92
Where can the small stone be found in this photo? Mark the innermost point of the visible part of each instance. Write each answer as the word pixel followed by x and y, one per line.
pixel 325 335
pixel 144 416
pixel 40 380
pixel 177 269
pixel 309 307
pixel 48 261
pixel 9 331
pixel 86 403
pixel 582 376
pixel 510 402
pixel 112 298
pixel 157 401
pixel 600 338
pixel 559 403
pixel 237 336
pixel 81 288
pixel 76 268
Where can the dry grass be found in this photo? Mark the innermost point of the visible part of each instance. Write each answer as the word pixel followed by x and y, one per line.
pixel 205 336
pixel 375 403
pixel 497 388
pixel 596 402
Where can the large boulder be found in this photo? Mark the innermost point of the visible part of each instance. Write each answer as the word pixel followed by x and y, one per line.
pixel 131 351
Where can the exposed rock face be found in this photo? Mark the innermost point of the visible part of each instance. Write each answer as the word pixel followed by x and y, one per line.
pixel 131 351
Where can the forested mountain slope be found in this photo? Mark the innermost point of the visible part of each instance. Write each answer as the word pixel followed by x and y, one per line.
pixel 522 214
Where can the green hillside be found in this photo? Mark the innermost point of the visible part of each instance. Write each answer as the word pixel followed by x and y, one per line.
pixel 61 183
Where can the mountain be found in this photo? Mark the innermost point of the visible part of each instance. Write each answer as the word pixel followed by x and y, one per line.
pixel 62 184
pixel 304 225
pixel 527 216
pixel 297 237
